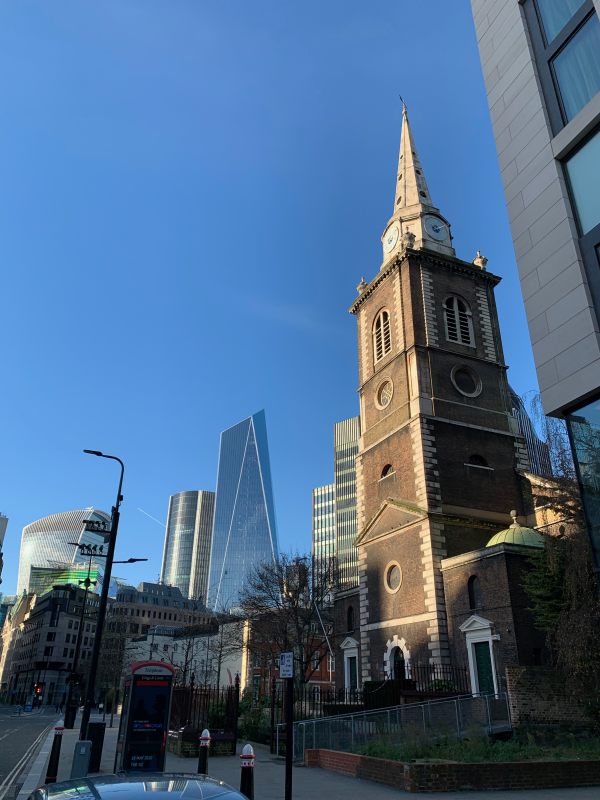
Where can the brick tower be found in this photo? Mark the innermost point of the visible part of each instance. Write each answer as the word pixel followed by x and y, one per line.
pixel 439 456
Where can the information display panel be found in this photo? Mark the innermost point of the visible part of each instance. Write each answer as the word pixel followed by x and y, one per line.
pixel 146 719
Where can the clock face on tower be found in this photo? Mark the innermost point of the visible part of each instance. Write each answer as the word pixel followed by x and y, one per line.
pixel 436 229
pixel 390 238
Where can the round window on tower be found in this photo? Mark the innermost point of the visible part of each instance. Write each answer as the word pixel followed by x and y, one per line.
pixel 466 381
pixel 384 393
pixel 393 577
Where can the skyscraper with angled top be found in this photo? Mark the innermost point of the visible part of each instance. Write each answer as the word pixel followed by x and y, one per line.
pixel 244 532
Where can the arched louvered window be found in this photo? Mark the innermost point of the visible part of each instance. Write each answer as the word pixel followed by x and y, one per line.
pixel 457 318
pixel 382 336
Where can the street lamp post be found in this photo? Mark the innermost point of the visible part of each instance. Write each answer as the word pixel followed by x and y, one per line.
pixel 91 551
pixel 114 527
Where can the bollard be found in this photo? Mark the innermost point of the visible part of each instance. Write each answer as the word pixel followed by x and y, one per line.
pixel 54 755
pixel 203 752
pixel 247 776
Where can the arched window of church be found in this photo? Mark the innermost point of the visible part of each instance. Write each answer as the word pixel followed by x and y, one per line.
pixel 458 321
pixel 474 589
pixel 350 618
pixel 387 470
pixel 476 460
pixel 382 336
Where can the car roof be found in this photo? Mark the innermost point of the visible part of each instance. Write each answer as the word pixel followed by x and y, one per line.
pixel 164 786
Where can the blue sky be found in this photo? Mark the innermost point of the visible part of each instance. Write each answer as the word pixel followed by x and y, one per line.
pixel 190 191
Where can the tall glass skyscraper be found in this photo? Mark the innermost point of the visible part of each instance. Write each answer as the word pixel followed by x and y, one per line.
pixel 345 449
pixel 244 533
pixel 47 542
pixel 323 529
pixel 188 535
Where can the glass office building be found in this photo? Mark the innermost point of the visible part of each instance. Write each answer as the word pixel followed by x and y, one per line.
pixel 244 532
pixel 537 450
pixel 42 579
pixel 323 529
pixel 188 536
pixel 345 443
pixel 48 541
pixel 541 66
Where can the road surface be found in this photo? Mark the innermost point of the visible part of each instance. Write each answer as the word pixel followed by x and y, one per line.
pixel 20 737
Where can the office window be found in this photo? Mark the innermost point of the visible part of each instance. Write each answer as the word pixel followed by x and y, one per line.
pixel 583 170
pixel 577 67
pixel 565 35
pixel 555 14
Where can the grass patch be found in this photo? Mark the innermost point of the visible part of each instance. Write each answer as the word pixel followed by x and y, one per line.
pixel 480 749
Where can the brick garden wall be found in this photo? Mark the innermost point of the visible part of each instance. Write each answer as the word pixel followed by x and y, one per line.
pixel 537 695
pixel 451 777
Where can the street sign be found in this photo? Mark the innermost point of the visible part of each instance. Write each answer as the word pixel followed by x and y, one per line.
pixel 286 665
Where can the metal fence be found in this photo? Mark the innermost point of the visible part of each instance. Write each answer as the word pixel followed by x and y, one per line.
pixel 351 733
pixel 202 706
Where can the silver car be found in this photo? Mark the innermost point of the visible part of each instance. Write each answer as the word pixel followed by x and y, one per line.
pixel 163 786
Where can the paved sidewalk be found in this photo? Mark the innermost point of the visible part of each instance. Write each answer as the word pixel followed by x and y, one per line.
pixel 308 784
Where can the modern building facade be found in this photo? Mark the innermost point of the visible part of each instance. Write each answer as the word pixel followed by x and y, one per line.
pixel 345 449
pixel 3 526
pixel 538 451
pixel 42 579
pixel 541 66
pixel 134 612
pixel 39 643
pixel 323 529
pixel 188 535
pixel 244 530
pixel 48 541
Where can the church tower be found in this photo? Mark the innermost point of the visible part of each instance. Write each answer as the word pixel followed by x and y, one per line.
pixel 439 456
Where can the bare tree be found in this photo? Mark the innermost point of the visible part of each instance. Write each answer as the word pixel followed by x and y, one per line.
pixel 289 609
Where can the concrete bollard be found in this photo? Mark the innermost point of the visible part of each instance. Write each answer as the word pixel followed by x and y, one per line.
pixel 54 755
pixel 203 752
pixel 247 776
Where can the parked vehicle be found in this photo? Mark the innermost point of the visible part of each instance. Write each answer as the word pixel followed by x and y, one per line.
pixel 163 785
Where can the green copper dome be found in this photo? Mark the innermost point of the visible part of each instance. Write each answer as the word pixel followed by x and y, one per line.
pixel 517 534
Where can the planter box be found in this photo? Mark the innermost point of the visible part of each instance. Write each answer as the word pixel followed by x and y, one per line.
pixel 454 776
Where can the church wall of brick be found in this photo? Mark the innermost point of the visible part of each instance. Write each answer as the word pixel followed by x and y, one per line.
pixel 472 487
pixel 405 548
pixel 397 451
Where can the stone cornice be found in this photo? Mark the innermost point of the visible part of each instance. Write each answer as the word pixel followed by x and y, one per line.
pixel 381 275
pixel 427 257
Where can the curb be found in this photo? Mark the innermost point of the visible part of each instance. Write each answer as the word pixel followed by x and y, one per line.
pixel 36 775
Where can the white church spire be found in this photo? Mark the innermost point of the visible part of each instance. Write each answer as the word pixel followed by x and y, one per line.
pixel 415 223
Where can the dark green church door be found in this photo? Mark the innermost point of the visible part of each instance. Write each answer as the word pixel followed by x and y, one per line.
pixel 483 664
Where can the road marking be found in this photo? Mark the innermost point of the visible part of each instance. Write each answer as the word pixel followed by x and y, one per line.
pixel 17 769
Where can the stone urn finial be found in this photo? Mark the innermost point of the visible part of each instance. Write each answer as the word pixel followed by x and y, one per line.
pixel 479 260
